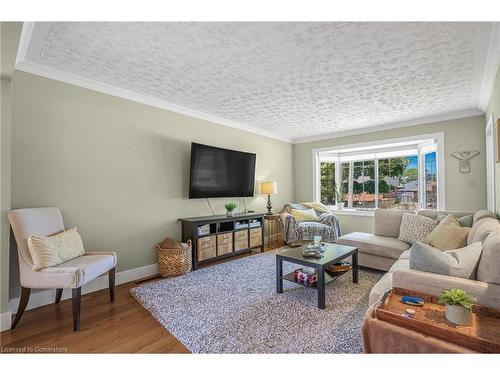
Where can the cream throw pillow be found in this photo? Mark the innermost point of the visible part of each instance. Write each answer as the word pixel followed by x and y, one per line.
pixel 56 249
pixel 320 207
pixel 304 215
pixel 448 235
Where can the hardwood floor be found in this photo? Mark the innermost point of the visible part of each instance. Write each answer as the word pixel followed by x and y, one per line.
pixel 120 327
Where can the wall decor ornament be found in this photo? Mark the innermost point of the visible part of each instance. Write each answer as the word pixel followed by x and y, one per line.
pixel 464 157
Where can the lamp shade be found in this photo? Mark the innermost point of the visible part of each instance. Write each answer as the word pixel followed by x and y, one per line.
pixel 267 187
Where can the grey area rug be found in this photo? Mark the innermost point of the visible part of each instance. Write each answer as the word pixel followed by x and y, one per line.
pixel 234 308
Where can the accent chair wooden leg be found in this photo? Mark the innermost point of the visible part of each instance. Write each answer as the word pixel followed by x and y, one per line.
pixel 111 275
pixel 23 302
pixel 76 299
pixel 58 295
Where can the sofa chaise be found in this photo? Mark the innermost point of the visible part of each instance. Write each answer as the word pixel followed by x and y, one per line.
pixel 383 337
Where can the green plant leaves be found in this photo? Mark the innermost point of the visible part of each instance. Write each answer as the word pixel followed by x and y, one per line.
pixel 456 297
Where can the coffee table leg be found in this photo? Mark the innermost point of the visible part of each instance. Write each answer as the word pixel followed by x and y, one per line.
pixel 321 287
pixel 355 268
pixel 279 275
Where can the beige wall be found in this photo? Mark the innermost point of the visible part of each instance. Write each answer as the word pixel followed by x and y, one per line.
pixel 9 40
pixel 461 134
pixel 5 130
pixel 118 169
pixel 494 107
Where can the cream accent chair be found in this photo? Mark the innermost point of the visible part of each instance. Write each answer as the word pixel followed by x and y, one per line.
pixel 46 221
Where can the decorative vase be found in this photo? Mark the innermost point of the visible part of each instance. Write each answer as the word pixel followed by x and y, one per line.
pixel 459 315
pixel 229 213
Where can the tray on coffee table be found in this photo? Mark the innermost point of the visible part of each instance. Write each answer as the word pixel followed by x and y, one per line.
pixel 482 336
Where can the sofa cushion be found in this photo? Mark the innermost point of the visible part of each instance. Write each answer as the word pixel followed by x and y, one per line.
pixel 448 234
pixel 406 254
pixel 388 247
pixel 387 222
pixel 488 269
pixel 401 264
pixel 415 227
pixel 481 229
pixel 458 263
pixel 483 214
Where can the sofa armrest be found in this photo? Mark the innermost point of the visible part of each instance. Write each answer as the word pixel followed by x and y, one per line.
pixel 431 283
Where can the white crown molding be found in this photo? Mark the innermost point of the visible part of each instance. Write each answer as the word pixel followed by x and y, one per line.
pixel 46 297
pixel 72 79
pixel 24 41
pixel 394 125
pixel 491 67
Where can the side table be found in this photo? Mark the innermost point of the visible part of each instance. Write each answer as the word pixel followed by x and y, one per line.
pixel 273 231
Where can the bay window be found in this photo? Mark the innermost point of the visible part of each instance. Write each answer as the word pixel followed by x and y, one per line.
pixel 398 174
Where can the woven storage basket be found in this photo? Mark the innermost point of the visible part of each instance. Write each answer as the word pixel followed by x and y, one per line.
pixel 174 258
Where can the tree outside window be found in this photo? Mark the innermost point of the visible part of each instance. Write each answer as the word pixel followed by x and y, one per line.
pixel 396 186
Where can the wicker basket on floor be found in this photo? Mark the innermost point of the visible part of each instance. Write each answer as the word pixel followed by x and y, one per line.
pixel 174 258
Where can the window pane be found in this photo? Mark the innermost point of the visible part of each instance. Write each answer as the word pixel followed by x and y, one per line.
pixel 345 183
pixel 363 184
pixel 398 182
pixel 430 182
pixel 328 183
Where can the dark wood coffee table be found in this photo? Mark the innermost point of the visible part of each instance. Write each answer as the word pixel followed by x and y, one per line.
pixel 333 254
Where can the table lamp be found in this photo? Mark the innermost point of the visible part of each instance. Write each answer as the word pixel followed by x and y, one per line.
pixel 268 188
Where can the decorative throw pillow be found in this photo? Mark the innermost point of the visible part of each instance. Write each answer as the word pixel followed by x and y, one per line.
pixel 415 227
pixel 304 215
pixel 465 220
pixel 458 263
pixel 317 206
pixel 56 249
pixel 448 234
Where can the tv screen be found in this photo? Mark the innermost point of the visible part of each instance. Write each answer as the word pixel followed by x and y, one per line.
pixel 218 172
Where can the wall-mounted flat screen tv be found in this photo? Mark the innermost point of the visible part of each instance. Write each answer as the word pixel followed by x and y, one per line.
pixel 218 172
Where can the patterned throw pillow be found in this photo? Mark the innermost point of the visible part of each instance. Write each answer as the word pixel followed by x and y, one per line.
pixel 415 227
pixel 56 249
pixel 304 215
pixel 448 235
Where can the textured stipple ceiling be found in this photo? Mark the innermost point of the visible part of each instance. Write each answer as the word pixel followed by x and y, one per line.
pixel 293 79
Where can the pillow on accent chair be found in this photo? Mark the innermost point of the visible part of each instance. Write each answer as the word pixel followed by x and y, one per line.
pixel 448 234
pixel 458 263
pixel 415 227
pixel 305 215
pixel 56 249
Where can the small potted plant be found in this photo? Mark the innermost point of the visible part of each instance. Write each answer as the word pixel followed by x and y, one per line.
pixel 458 306
pixel 230 207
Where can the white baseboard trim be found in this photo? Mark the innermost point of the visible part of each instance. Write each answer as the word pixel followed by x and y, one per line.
pixel 47 296
pixel 5 321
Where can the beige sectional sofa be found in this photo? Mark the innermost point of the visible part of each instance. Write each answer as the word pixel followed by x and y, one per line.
pixel 384 251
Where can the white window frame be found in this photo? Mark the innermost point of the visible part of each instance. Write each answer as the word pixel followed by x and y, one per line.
pixel 439 148
pixel 490 163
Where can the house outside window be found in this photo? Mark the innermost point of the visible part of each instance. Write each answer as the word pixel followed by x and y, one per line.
pixel 394 175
